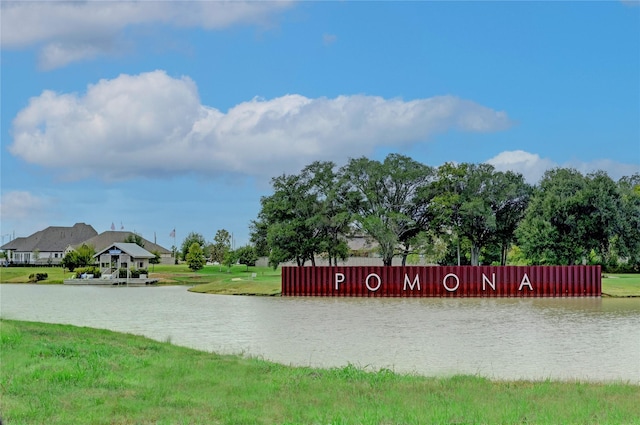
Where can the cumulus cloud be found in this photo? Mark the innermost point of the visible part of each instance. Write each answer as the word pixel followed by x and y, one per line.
pixel 20 205
pixel 71 31
pixel 155 125
pixel 530 165
pixel 533 167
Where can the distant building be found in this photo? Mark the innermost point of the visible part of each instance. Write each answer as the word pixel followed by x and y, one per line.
pixel 47 246
pixel 105 239
pixel 121 255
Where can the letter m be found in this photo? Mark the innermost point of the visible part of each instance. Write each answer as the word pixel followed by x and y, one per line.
pixel 407 281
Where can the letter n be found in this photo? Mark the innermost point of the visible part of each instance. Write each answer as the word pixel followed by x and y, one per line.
pixel 486 280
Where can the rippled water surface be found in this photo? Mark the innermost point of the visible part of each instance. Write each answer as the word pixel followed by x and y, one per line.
pixel 582 338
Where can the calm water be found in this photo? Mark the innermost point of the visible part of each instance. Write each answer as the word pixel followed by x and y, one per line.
pixel 582 338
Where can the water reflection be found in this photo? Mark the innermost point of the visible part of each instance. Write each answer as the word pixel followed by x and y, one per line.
pixel 581 338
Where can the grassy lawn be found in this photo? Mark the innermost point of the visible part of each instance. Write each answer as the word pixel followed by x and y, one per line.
pixel 621 285
pixel 239 280
pixel 59 374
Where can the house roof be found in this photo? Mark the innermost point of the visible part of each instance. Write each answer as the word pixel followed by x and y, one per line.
pixel 131 249
pixel 108 238
pixel 52 239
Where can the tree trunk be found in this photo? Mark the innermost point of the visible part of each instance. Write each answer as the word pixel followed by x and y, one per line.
pixel 504 252
pixel 475 254
pixel 458 250
pixel 386 261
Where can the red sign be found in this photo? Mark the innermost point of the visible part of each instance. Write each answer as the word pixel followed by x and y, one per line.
pixel 445 281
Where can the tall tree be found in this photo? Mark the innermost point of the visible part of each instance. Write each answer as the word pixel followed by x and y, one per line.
pixel 192 238
pixel 383 199
pixel 627 242
pixel 221 244
pixel 332 217
pixel 553 229
pixel 246 255
pixel 195 257
pixel 512 196
pixel 290 218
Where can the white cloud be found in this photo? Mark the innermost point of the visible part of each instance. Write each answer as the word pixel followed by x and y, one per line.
pixel 530 165
pixel 533 167
pixel 71 31
pixel 154 125
pixel 21 205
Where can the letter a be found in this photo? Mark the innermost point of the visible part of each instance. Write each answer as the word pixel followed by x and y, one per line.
pixel 525 282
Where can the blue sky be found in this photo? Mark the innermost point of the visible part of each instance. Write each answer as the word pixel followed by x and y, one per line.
pixel 161 115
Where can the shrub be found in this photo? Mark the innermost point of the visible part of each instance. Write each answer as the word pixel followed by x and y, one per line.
pixel 37 277
pixel 134 273
pixel 122 273
pixel 95 271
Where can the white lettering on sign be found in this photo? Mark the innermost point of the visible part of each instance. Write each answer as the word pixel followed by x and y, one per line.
pixel 486 280
pixel 369 286
pixel 451 282
pixel 444 282
pixel 407 281
pixel 525 282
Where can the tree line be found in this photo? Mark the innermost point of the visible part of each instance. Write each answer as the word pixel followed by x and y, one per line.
pixel 196 251
pixel 452 214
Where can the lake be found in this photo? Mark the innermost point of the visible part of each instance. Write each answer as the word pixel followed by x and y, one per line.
pixel 593 339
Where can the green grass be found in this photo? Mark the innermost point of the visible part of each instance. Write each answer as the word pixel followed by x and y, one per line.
pixel 59 374
pixel 21 274
pixel 621 285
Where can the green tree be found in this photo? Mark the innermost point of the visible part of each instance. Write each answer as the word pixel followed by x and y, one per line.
pixel 81 257
pixel 569 216
pixel 289 216
pixel 191 238
pixel 134 238
pixel 383 199
pixel 627 241
pixel 221 244
pixel 332 217
pixel 473 202
pixel 156 258
pixel 195 257
pixel 230 259
pixel 258 237
pixel 509 204
pixel 246 255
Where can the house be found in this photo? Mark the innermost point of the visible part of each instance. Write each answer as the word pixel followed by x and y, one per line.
pixel 121 255
pixel 105 239
pixel 47 246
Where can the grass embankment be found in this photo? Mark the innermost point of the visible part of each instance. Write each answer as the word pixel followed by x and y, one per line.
pixel 621 285
pixel 58 374
pixel 239 280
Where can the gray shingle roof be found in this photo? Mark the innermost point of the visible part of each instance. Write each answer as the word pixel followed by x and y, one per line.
pixel 108 238
pixel 52 239
pixel 131 249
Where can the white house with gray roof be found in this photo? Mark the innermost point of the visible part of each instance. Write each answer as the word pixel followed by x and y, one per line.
pixel 121 255
pixel 47 246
